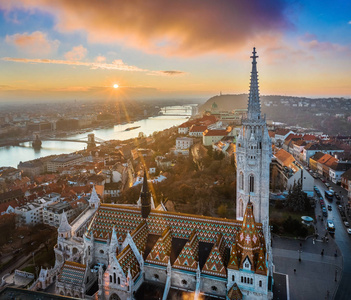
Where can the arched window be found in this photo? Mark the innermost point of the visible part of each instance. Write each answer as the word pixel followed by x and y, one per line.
pixel 241 180
pixel 251 281
pixel 242 279
pixel 252 183
pixel 114 277
pixel 110 278
pixel 184 282
pixel 233 277
pixel 241 208
pixel 156 276
pixel 214 288
pixel 119 280
pixel 260 283
pixel 102 251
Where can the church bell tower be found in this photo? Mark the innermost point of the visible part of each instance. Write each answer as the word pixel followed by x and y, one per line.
pixel 253 157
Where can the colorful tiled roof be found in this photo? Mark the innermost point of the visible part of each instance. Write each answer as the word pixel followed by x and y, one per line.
pixel 234 293
pixel 215 262
pixel 261 262
pixel 249 238
pixel 235 258
pixel 189 256
pixel 139 236
pixel 126 219
pixel 128 261
pixel 161 252
pixel 72 273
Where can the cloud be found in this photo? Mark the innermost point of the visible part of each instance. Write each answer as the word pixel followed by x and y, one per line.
pixel 100 59
pixel 349 22
pixel 181 28
pixel 325 47
pixel 117 64
pixel 167 73
pixel 33 43
pixel 77 53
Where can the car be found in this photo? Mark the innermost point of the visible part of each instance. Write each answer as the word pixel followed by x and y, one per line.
pixel 323 180
pixel 337 196
pixel 346 224
pixel 348 230
pixel 325 213
pixel 329 207
pixel 340 207
pixel 327 184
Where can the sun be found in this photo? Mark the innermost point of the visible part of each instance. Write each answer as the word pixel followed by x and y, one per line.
pixel 115 86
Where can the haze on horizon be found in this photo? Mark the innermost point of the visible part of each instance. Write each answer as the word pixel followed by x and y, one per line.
pixel 154 49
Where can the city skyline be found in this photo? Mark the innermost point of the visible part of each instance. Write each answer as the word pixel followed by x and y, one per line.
pixel 78 50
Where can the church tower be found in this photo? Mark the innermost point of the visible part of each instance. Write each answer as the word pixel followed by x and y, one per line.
pixel 253 156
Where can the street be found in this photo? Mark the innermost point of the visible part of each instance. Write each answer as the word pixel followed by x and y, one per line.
pixel 342 238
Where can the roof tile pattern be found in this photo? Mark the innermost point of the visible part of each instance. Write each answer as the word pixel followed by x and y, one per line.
pixel 139 236
pixel 128 261
pixel 249 238
pixel 215 262
pixel 234 293
pixel 127 219
pixel 189 256
pixel 72 273
pixel 161 252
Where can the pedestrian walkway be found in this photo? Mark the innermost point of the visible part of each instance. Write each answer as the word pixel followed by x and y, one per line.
pixel 312 268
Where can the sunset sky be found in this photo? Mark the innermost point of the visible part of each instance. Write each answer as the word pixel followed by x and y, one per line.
pixel 78 49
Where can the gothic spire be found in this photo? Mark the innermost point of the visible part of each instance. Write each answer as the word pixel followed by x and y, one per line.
pixel 64 228
pixel 145 198
pixel 254 106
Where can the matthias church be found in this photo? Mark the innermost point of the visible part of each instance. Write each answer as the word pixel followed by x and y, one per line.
pixel 114 251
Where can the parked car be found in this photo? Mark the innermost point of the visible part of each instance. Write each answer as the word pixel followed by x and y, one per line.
pixel 346 224
pixel 337 196
pixel 329 207
pixel 325 213
pixel 348 230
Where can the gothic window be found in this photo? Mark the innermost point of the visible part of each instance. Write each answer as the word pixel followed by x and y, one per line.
pixel 102 251
pixel 260 283
pixel 242 279
pixel 251 280
pixel 184 282
pixel 114 277
pixel 247 265
pixel 241 180
pixel 89 250
pixel 110 278
pixel 214 288
pixel 252 184
pixel 233 277
pixel 119 280
pixel 241 208
pixel 156 276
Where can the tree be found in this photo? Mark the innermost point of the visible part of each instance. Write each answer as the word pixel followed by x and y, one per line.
pixel 7 226
pixel 297 200
pixel 222 210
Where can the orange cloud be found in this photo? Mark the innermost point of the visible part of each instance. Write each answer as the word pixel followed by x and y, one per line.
pixel 182 27
pixel 77 53
pixel 35 43
pixel 167 73
pixel 115 65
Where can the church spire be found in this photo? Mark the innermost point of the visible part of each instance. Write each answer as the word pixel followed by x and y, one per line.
pixel 254 106
pixel 145 198
pixel 64 230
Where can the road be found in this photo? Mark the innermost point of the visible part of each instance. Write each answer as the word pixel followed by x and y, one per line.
pixel 19 262
pixel 342 239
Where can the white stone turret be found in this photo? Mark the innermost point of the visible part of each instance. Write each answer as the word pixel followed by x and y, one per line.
pixel 64 230
pixel 94 200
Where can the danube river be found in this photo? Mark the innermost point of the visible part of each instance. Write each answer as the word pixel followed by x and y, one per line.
pixel 11 156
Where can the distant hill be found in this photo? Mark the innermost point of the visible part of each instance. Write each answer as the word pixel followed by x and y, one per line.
pixel 226 102
pixel 330 115
pixel 230 102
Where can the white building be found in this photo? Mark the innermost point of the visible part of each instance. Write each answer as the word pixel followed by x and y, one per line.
pixel 32 213
pixel 64 161
pixel 183 145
